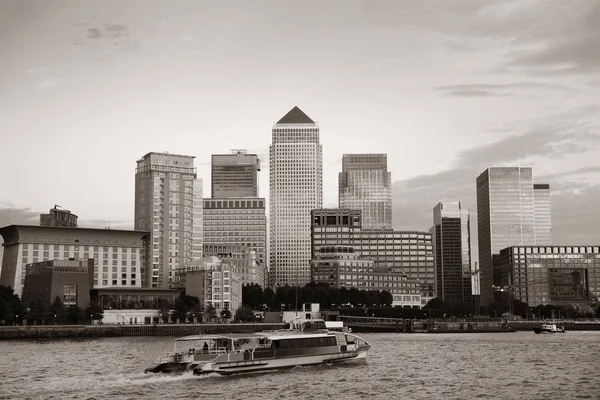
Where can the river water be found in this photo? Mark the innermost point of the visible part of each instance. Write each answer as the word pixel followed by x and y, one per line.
pixel 519 365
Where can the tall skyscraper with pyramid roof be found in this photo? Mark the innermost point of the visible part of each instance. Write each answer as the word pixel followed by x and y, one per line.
pixel 296 188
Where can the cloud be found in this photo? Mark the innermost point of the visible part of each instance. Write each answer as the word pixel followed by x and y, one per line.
pixel 475 93
pixel 118 35
pixel 499 89
pixel 49 83
pixel 13 215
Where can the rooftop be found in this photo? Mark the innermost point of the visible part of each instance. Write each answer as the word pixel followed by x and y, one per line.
pixel 296 116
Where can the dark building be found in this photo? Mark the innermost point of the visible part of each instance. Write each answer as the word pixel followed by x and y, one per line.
pixel 69 280
pixel 234 175
pixel 452 247
pixel 59 217
pixel 135 298
pixel 409 252
pixel 549 274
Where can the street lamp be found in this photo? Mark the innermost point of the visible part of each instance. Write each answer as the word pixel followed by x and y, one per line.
pixel 54 319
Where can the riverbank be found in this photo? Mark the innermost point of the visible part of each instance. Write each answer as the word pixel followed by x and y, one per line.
pixel 90 331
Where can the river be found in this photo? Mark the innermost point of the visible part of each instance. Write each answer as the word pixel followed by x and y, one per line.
pixel 519 365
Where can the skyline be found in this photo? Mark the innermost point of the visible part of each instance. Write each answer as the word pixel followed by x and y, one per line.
pixel 455 88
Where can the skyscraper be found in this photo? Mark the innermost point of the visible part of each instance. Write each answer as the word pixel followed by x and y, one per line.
pixel 543 218
pixel 168 204
pixel 452 249
pixel 296 188
pixel 234 175
pixel 506 216
pixel 365 184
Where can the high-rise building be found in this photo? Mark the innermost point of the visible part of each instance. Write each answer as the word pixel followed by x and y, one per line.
pixel 452 249
pixel 365 184
pixel 506 216
pixel 409 252
pixel 60 217
pixel 543 217
pixel 296 188
pixel 234 216
pixel 244 259
pixel 120 256
pixel 168 204
pixel 234 175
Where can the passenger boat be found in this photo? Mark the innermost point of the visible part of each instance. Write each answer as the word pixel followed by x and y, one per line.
pixel 305 343
pixel 549 328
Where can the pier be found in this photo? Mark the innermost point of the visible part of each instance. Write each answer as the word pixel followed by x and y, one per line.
pixel 95 331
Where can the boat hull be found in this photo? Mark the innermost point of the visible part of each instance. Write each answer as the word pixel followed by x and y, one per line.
pixel 259 365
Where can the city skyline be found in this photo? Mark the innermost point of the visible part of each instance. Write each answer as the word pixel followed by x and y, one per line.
pixel 536 108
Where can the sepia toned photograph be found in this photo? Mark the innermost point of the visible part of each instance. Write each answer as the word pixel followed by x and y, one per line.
pixel 300 199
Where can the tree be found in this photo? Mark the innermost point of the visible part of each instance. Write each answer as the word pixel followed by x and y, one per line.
pixel 308 294
pixel 245 314
pixel 74 315
pixel 598 312
pixel 354 296
pixel 94 312
pixel 386 298
pixel 321 296
pixel 252 295
pixel 57 311
pixel 5 311
pixel 226 314
pixel 282 297
pixel 12 309
pixel 269 298
pixel 436 303
pixel 38 311
pixel 209 312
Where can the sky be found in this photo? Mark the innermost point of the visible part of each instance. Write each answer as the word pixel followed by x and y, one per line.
pixel 446 89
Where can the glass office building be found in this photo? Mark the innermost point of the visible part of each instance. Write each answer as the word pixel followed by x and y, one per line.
pixel 365 184
pixel 452 247
pixel 234 175
pixel 551 274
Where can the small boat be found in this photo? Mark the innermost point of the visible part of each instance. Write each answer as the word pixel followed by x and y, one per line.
pixel 307 342
pixel 549 328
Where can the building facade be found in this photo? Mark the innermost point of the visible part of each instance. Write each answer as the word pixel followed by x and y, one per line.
pixel 59 217
pixel 542 214
pixel 551 274
pixel 234 175
pixel 506 216
pixel 120 256
pixel 452 249
pixel 245 261
pixel 168 204
pixel 240 221
pixel 214 282
pixel 342 267
pixel 296 188
pixel 409 252
pixel 69 280
pixel 366 185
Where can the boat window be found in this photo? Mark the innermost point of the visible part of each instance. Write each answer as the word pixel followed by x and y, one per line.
pixel 305 342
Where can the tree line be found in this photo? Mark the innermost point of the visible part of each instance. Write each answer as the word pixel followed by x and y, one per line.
pixel 292 297
pixel 13 311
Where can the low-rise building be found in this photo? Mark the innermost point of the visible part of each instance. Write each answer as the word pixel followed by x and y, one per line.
pixel 214 282
pixel 248 267
pixel 120 256
pixel 69 280
pixel 343 267
pixel 548 274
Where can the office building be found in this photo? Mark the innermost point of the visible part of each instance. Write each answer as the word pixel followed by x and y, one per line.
pixel 542 214
pixel 409 252
pixel 60 217
pixel 234 175
pixel 120 256
pixel 452 249
pixel 550 274
pixel 168 204
pixel 69 280
pixel 296 188
pixel 342 267
pixel 244 259
pixel 366 185
pixel 214 282
pixel 506 216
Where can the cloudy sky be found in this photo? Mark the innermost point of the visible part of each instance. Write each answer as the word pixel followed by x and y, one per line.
pixel 445 88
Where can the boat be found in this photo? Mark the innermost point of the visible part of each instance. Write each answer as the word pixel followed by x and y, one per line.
pixel 307 342
pixel 549 328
